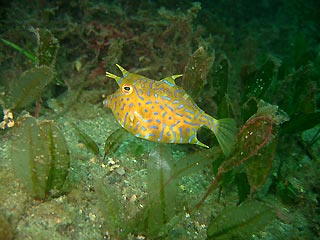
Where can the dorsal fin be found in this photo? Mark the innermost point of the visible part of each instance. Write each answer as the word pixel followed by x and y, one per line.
pixel 170 80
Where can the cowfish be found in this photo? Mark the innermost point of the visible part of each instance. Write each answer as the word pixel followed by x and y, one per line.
pixel 161 111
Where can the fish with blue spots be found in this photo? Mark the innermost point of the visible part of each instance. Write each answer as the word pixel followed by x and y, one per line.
pixel 161 111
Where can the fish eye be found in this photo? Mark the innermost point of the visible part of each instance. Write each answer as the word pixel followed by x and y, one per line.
pixel 127 89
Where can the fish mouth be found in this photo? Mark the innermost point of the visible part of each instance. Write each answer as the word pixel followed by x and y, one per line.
pixel 106 102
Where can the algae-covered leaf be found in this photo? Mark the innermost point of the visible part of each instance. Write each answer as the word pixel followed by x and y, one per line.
pixel 161 197
pixel 60 156
pixel 277 115
pixel 256 133
pixel 114 141
pixel 259 166
pixel 40 156
pixel 243 187
pixel 221 77
pixel 109 201
pixel 30 156
pixel 262 80
pixel 297 92
pixel 195 74
pixel 48 47
pixel 30 85
pixel 250 139
pixel 241 222
pixel 87 141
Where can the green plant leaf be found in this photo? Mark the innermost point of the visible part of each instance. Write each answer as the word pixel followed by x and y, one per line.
pixel 48 47
pixel 40 156
pixel 241 222
pixel 220 81
pixel 297 92
pixel 161 197
pixel 16 47
pixel 109 201
pixel 259 166
pixel 195 74
pixel 30 85
pixel 256 133
pixel 87 141
pixel 262 79
pixel 288 192
pixel 114 141
pixel 221 76
pixel 60 156
pixel 31 157
pixel 243 186
pixel 251 138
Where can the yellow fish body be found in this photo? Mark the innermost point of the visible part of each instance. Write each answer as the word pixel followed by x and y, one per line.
pixel 161 111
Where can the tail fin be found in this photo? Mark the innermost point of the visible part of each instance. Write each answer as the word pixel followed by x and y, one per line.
pixel 225 131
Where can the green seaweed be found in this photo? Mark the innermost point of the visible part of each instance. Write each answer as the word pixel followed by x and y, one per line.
pixel 31 157
pixel 90 144
pixel 47 47
pixel 59 154
pixel 220 81
pixel 160 212
pixel 302 85
pixel 288 192
pixel 19 49
pixel 161 197
pixel 243 187
pixel 258 134
pixel 114 141
pixel 30 86
pixel 46 51
pixel 242 221
pixel 109 203
pixel 258 167
pixel 40 157
pixel 262 81
pixel 196 71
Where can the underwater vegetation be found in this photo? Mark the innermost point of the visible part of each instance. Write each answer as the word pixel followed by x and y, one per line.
pixel 40 157
pixel 255 146
pixel 68 152
pixel 31 83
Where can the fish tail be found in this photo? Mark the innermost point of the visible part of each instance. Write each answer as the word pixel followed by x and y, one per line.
pixel 225 130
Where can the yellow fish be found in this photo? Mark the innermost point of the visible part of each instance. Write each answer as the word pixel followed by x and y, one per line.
pixel 161 111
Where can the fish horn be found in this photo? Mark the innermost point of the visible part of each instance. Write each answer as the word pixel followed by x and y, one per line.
pixel 124 72
pixel 110 75
pixel 115 77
